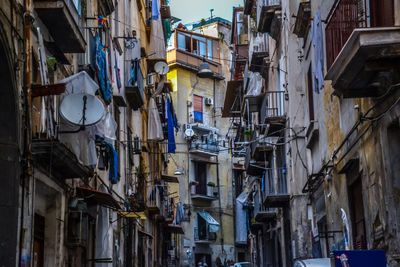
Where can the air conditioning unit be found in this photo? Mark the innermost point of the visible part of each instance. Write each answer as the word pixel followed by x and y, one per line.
pixel 208 101
pixel 151 79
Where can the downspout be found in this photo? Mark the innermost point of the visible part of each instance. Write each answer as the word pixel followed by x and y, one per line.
pixel 27 152
pixel 218 181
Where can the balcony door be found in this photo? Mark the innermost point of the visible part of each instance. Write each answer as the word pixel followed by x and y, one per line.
pixel 200 169
pixel 382 13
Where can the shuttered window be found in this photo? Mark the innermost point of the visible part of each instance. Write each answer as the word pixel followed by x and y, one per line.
pixel 198 108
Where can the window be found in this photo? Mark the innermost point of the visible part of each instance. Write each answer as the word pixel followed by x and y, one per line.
pixel 198 108
pixel 210 49
pixel 356 205
pixel 310 94
pixel 198 45
pixel 182 41
pixel 200 172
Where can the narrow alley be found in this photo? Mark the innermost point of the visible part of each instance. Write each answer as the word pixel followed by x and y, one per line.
pixel 200 133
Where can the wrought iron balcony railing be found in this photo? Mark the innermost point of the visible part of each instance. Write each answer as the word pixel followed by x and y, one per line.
pixel 345 16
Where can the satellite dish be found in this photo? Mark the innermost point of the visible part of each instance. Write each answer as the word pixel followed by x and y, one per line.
pixel 189 133
pixel 161 67
pixel 82 109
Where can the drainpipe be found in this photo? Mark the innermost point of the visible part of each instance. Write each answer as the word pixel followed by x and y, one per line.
pixel 27 153
pixel 218 181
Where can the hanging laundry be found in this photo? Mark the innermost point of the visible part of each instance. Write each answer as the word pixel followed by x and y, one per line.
pixel 117 72
pixel 110 159
pixel 317 41
pixel 155 12
pixel 167 29
pixel 154 127
pixel 171 125
pixel 133 73
pixel 101 69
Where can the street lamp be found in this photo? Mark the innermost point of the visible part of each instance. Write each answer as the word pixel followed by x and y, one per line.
pixel 204 70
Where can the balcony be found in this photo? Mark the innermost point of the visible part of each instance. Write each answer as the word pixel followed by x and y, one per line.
pixel 203 194
pixel 233 96
pixel 204 147
pixel 273 112
pixel 303 19
pixel 259 56
pixel 153 202
pixel 262 214
pixel 240 60
pixel 62 19
pixel 249 6
pixel 204 238
pixel 187 60
pixel 134 85
pixel 277 195
pixel 207 228
pixel 191 49
pixel 64 164
pixel 269 16
pixel 363 50
pixel 252 166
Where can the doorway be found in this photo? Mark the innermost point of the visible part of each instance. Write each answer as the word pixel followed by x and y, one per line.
pixel 357 214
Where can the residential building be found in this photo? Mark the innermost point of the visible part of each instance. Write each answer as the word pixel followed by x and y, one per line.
pixel 202 157
pixel 82 142
pixel 318 172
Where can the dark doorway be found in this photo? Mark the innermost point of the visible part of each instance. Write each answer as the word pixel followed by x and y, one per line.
pixel 9 160
pixel 38 243
pixel 203 258
pixel 200 170
pixel 357 214
pixel 382 13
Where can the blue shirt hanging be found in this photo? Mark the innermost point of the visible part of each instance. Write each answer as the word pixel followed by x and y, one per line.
pixel 155 12
pixel 171 125
pixel 101 69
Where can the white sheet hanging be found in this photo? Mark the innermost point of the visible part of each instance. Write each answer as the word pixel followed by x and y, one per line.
pixel 255 84
pixel 80 82
pixel 154 127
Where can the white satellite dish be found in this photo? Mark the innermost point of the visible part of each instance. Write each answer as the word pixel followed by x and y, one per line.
pixel 82 109
pixel 189 133
pixel 161 67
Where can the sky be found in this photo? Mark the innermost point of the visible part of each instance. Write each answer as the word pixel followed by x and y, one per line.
pixel 195 10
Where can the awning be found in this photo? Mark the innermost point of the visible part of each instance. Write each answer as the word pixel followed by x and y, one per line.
pixel 232 102
pixel 213 225
pixel 95 197
pixel 134 215
pixel 174 228
pixel 170 179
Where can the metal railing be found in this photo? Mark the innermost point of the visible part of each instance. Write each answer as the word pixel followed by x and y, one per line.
pixel 205 144
pixel 154 199
pixel 168 209
pixel 204 236
pixel 275 181
pixel 270 2
pixel 344 17
pixel 275 104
